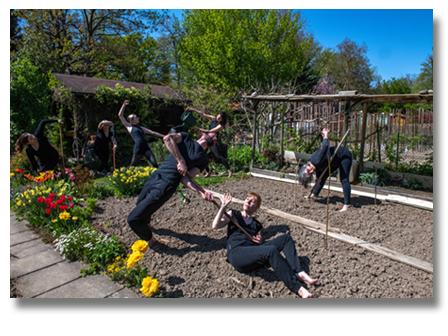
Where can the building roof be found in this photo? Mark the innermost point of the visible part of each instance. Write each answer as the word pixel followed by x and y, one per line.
pixel 87 85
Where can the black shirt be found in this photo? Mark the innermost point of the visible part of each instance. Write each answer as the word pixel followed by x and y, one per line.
pixel 214 124
pixel 102 141
pixel 193 154
pixel 319 158
pixel 45 152
pixel 236 237
pixel 141 146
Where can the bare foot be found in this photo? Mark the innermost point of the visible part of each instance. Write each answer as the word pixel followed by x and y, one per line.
pixel 306 278
pixel 207 175
pixel 312 196
pixel 230 173
pixel 345 208
pixel 304 293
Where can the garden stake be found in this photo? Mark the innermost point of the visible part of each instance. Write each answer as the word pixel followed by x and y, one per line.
pixel 376 178
pixel 332 157
pixel 62 150
pixel 217 205
pixel 113 156
pixel 328 199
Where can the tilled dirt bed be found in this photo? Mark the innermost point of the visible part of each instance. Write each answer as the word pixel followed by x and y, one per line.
pixel 190 259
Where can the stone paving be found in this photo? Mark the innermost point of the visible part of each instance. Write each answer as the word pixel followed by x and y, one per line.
pixel 39 271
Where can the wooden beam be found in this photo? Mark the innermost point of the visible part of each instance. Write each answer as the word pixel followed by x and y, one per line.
pixel 282 130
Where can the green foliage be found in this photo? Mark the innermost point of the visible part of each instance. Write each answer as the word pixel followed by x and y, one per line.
pixel 20 161
pixel 382 176
pixel 413 183
pixel 29 98
pixel 424 81
pixel 226 47
pixel 129 182
pixel 243 155
pixel 89 245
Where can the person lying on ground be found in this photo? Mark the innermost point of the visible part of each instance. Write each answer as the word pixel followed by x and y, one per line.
pixel 141 147
pixel 186 155
pixel 217 124
pixel 319 161
pixel 245 254
pixel 37 145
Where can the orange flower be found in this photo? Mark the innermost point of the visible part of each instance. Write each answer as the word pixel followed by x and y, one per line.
pixel 39 179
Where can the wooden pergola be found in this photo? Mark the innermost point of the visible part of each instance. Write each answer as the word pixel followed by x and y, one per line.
pixel 351 98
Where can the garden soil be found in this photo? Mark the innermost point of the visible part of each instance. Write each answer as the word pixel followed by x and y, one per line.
pixel 189 259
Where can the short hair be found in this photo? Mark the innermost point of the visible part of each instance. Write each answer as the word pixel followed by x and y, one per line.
pixel 223 117
pixel 256 197
pixel 304 178
pixel 131 116
pixel 209 139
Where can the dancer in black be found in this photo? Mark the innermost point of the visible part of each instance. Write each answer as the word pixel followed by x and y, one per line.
pixel 185 155
pixel 38 145
pixel 245 254
pixel 216 125
pixel 104 135
pixel 319 161
pixel 141 147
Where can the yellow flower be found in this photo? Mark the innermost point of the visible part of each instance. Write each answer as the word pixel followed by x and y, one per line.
pixel 117 258
pixel 117 270
pixel 149 286
pixel 74 218
pixel 54 220
pixel 11 175
pixel 140 246
pixel 64 215
pixel 19 203
pixel 136 256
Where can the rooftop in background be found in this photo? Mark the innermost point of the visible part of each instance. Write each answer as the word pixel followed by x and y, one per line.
pixel 87 85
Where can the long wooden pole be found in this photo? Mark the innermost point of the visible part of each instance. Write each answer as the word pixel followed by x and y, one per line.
pixel 217 205
pixel 332 157
pixel 113 156
pixel 62 150
pixel 328 200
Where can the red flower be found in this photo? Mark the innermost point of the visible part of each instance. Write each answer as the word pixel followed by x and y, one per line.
pixel 40 199
pixel 53 205
pixel 19 171
pixel 59 201
pixel 48 211
pixel 63 207
pixel 52 195
pixel 244 176
pixel 62 198
pixel 69 198
pixel 71 205
pixel 27 185
pixel 48 200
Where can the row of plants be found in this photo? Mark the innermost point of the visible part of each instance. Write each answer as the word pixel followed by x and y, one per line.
pixel 382 178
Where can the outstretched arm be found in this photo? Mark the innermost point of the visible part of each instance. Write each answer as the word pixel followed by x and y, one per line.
pixel 221 219
pixel 123 120
pixel 323 151
pixel 40 129
pixel 202 114
pixel 206 195
pixel 213 130
pixel 148 131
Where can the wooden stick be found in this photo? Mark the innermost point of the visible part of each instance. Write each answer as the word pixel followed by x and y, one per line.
pixel 332 157
pixel 218 206
pixel 113 156
pixel 62 150
pixel 376 178
pixel 328 199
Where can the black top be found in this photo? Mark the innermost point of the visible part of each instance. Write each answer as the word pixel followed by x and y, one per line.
pixel 319 158
pixel 102 141
pixel 193 154
pixel 45 151
pixel 236 237
pixel 141 146
pixel 214 124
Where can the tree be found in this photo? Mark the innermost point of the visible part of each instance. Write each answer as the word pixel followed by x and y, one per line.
pixel 70 40
pixel 14 30
pixel 29 98
pixel 234 48
pixel 424 81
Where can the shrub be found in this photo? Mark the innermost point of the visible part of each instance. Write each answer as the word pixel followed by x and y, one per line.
pixel 413 183
pixel 383 177
pixel 129 182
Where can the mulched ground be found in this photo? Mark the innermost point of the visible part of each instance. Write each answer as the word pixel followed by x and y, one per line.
pixel 190 259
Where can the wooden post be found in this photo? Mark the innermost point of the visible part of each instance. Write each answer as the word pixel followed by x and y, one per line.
pixel 282 130
pixel 328 199
pixel 254 136
pixel 363 140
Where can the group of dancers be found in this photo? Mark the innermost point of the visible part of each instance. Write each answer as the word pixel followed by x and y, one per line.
pixel 188 157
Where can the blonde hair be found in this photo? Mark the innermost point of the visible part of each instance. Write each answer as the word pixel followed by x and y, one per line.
pixel 131 117
pixel 256 197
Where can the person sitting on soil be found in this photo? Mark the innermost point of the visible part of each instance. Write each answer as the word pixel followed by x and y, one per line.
pixel 37 145
pixel 216 126
pixel 104 136
pixel 319 161
pixel 186 155
pixel 141 148
pixel 245 254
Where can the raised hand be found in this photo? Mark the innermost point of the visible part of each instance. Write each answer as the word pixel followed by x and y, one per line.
pixel 325 132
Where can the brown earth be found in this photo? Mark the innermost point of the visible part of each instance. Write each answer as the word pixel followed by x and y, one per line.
pixel 190 259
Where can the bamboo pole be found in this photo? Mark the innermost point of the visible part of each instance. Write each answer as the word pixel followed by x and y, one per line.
pixel 328 200
pixel 62 149
pixel 113 156
pixel 376 178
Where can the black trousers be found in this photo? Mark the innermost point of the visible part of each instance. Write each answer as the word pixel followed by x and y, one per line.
pixel 220 158
pixel 148 155
pixel 247 258
pixel 103 155
pixel 154 194
pixel 344 172
pixel 50 164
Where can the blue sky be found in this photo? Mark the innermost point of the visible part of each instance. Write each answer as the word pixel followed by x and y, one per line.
pixel 398 40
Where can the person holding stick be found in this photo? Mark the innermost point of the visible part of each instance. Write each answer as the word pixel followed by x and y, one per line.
pixel 216 126
pixel 187 157
pixel 37 145
pixel 141 148
pixel 104 136
pixel 318 162
pixel 245 254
